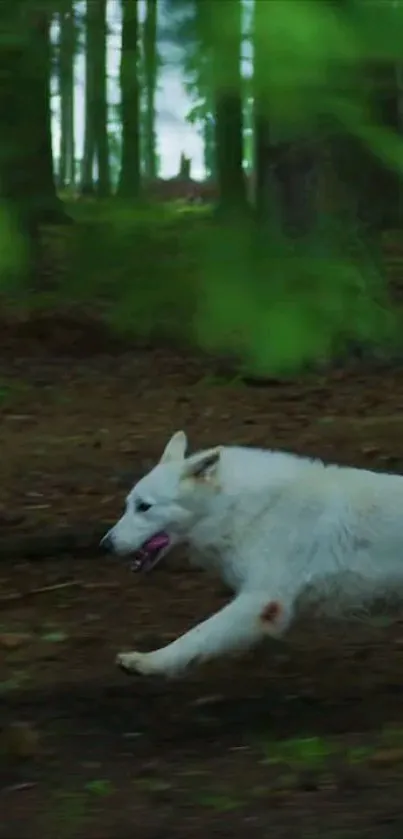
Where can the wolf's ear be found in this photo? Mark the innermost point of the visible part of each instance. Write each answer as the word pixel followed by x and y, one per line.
pixel 176 448
pixel 203 467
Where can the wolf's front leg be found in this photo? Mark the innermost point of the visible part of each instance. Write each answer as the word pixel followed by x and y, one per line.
pixel 238 626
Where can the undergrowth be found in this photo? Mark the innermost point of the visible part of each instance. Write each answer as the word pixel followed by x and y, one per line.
pixel 172 270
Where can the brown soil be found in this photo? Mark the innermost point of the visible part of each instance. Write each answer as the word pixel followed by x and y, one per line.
pixel 302 738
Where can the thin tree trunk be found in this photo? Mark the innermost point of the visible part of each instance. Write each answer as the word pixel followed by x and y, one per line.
pixel 62 171
pixel 129 179
pixel 262 176
pixel 71 146
pixel 209 149
pixel 66 90
pixel 39 119
pixel 150 79
pixel 87 172
pixel 100 105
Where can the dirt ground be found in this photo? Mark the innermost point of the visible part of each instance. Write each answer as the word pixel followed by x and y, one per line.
pixel 300 738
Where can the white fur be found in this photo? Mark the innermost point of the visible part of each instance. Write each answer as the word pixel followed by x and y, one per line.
pixel 278 528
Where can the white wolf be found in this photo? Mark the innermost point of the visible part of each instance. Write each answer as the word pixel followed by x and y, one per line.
pixel 277 527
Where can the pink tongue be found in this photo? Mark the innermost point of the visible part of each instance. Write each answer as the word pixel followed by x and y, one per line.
pixel 157 542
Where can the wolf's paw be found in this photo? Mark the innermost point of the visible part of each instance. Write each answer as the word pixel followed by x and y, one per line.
pixel 148 664
pixel 135 663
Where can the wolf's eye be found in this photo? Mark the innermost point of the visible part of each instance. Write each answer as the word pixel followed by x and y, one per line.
pixel 142 506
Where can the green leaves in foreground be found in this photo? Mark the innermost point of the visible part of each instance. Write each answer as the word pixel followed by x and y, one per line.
pixel 279 307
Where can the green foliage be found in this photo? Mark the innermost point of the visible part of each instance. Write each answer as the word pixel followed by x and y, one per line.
pixel 140 264
pixel 277 304
pixel 172 270
pixel 299 753
pixel 279 307
pixel 309 45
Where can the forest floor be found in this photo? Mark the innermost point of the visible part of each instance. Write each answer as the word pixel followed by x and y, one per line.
pixel 302 738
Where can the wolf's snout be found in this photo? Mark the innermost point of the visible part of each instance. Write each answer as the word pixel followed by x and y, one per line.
pixel 106 544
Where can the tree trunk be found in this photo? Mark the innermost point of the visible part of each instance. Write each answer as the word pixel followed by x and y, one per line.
pixel 100 105
pixel 67 46
pixel 229 152
pixel 38 121
pixel 87 172
pixel 262 169
pixel 27 161
pixel 262 153
pixel 286 167
pixel 129 179
pixel 209 149
pixel 14 154
pixel 386 181
pixel 150 80
pixel 96 143
pixel 372 189
pixel 26 167
pixel 226 39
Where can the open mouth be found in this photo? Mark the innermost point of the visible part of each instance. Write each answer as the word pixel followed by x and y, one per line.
pixel 150 552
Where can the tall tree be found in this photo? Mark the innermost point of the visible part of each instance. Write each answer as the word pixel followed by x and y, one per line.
pixel 66 54
pixel 261 136
pixel 27 188
pixel 209 147
pixel 370 178
pixel 371 187
pixel 186 27
pixel 210 34
pixel 224 30
pixel 286 155
pixel 96 145
pixel 129 179
pixel 26 161
pixel 100 97
pixel 88 162
pixel 150 66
